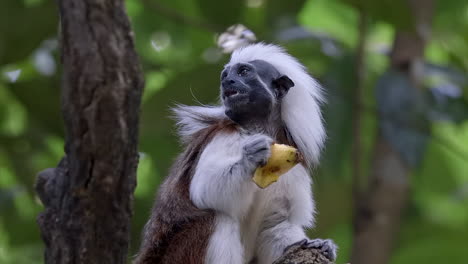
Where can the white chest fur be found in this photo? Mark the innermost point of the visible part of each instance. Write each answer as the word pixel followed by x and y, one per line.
pixel 250 222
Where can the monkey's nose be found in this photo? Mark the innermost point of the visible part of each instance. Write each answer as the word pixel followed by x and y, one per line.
pixel 228 82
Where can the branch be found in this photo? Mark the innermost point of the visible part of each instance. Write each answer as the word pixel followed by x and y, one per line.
pixel 299 255
pixel 359 76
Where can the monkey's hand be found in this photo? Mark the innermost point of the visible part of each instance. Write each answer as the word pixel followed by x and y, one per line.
pixel 256 151
pixel 326 246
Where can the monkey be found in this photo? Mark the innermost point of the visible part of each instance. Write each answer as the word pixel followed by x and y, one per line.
pixel 208 209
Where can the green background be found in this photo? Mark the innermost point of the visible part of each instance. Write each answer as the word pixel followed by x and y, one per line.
pixel 185 69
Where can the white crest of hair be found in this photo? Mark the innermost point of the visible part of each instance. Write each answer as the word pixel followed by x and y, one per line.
pixel 300 108
pixel 191 119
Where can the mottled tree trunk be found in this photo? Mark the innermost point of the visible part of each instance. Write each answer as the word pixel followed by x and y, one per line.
pixel 378 211
pixel 88 197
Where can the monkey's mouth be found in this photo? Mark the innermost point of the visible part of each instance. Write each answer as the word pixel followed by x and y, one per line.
pixel 231 93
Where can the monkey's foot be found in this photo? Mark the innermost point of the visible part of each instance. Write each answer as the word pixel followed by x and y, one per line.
pixel 326 246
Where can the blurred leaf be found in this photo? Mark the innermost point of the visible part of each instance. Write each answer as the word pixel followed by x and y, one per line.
pixel 395 12
pixel 448 45
pixel 146 177
pixel 25 205
pixel 16 23
pixel 424 243
pixel 55 147
pixel 13 116
pixel 379 42
pixel 32 3
pixel 134 7
pixel 227 15
pixel 438 185
pixel 435 53
pixel 154 82
pixel 332 18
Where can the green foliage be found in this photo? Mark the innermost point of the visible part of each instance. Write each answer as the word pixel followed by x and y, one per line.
pixel 175 41
pixel 12 113
pixel 332 18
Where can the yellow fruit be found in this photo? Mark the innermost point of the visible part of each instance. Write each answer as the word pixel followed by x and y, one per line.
pixel 282 159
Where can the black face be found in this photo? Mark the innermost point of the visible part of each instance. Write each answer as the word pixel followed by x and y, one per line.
pixel 250 90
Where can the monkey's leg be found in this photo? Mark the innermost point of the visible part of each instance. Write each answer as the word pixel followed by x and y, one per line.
pixel 276 234
pixel 225 244
pixel 277 239
pixel 288 209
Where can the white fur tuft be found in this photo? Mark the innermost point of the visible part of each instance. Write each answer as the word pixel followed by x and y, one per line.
pixel 191 119
pixel 301 106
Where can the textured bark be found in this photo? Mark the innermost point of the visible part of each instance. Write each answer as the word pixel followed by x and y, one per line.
pixel 298 255
pixel 378 212
pixel 88 197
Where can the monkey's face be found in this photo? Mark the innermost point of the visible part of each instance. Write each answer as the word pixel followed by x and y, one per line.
pixel 250 91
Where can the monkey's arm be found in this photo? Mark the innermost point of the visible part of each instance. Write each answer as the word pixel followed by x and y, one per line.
pixel 223 176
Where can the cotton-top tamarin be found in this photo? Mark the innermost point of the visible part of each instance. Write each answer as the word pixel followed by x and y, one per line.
pixel 208 209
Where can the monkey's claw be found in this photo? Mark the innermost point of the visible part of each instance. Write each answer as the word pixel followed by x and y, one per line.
pixel 326 246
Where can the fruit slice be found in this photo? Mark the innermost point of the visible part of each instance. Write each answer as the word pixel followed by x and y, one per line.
pixel 282 159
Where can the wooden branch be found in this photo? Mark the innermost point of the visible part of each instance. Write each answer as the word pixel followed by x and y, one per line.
pixel 300 255
pixel 358 182
pixel 88 197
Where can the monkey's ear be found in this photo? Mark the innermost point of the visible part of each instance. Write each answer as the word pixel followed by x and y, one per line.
pixel 282 85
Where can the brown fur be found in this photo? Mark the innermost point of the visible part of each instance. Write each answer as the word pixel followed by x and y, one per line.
pixel 179 232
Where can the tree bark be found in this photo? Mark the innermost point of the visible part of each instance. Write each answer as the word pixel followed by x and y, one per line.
pixel 88 197
pixel 378 212
pixel 298 255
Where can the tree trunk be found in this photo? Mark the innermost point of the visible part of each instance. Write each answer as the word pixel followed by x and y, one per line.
pixel 88 197
pixel 377 214
pixel 378 211
pixel 358 91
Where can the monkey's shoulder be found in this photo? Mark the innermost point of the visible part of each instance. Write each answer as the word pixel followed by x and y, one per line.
pixel 191 120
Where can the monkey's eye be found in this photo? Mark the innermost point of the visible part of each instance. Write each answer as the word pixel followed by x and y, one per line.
pixel 243 71
pixel 223 75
